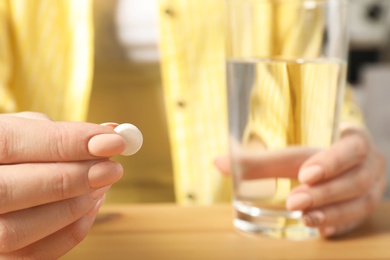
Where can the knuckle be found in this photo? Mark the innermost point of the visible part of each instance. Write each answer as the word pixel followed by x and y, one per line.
pixel 339 214
pixel 5 197
pixel 7 239
pixel 59 134
pixel 77 234
pixel 331 163
pixel 383 186
pixel 363 181
pixel 324 195
pixel 382 164
pixel 5 136
pixel 61 182
pixel 73 209
pixel 343 215
pixel 345 228
pixel 361 146
pixel 336 163
pixel 332 215
pixel 369 203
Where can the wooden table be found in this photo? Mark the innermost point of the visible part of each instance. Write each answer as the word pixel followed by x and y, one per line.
pixel 173 232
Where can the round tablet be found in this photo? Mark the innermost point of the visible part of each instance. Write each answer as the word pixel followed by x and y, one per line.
pixel 133 138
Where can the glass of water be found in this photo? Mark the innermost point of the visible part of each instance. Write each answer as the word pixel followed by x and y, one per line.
pixel 286 74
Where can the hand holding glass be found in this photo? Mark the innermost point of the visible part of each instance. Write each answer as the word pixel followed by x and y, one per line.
pixel 286 73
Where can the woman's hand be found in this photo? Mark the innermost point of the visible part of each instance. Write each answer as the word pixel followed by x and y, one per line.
pixel 53 179
pixel 340 186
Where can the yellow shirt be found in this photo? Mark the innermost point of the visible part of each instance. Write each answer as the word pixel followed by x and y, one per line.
pixel 46 57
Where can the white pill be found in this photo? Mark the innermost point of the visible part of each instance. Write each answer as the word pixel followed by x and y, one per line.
pixel 133 138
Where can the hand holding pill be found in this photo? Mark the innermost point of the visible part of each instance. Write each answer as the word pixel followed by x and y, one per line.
pixel 54 167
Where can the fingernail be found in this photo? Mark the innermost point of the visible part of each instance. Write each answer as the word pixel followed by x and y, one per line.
pixel 328 231
pixel 104 173
pixel 106 145
pixel 94 211
pixel 110 124
pixel 311 174
pixel 99 192
pixel 314 219
pixel 298 201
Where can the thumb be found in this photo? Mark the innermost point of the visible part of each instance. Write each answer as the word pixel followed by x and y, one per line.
pixel 222 163
pixel 36 140
pixel 258 164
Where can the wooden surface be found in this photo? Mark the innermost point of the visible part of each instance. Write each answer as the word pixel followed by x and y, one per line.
pixel 163 231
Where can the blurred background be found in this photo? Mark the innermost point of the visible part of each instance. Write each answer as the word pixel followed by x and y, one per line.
pixel 127 74
pixel 369 67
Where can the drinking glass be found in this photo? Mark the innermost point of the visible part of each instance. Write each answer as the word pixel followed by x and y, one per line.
pixel 286 74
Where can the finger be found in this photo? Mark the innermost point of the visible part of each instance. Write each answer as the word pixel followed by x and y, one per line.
pixel 222 163
pixel 346 212
pixel 24 227
pixel 350 185
pixel 346 153
pixel 332 231
pixel 31 115
pixel 346 187
pixel 27 185
pixel 255 164
pixel 61 242
pixel 28 140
